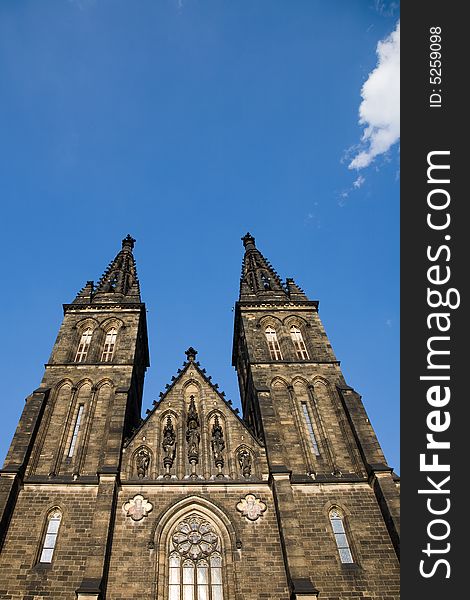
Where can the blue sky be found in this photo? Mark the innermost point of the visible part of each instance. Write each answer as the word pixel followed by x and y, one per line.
pixel 187 123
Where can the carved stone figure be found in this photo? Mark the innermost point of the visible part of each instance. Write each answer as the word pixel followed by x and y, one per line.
pixel 193 436
pixel 169 446
pixel 142 463
pixel 251 507
pixel 218 445
pixel 137 507
pixel 244 460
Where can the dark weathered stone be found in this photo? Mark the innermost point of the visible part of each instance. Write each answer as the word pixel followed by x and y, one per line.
pixel 262 487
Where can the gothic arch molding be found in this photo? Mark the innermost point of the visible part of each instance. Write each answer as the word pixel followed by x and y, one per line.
pixel 112 322
pixel 278 381
pixel 269 320
pixel 61 384
pixel 83 382
pixel 191 381
pixel 86 322
pixel 301 380
pixel 169 515
pixel 168 519
pixel 295 320
pixel 103 382
pixel 168 412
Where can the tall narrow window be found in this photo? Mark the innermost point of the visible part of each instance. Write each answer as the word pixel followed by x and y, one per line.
pixel 50 536
pixel 311 433
pixel 299 343
pixel 76 430
pixel 109 344
pixel 195 562
pixel 342 543
pixel 84 345
pixel 273 344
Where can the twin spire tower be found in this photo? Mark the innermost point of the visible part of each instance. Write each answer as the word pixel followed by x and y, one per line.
pixel 293 499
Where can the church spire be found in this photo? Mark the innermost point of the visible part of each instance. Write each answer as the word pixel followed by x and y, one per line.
pixel 119 282
pixel 259 280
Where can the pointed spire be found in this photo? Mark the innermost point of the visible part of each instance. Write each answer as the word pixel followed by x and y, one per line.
pixel 295 292
pixel 119 283
pixel 259 280
pixel 85 295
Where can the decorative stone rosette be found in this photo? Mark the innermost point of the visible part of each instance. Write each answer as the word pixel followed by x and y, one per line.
pixel 251 507
pixel 137 507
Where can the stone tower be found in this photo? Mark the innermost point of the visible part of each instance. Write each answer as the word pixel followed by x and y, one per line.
pixel 292 501
pixel 320 445
pixel 66 452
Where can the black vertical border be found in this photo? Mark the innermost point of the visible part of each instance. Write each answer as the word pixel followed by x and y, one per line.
pixel 425 129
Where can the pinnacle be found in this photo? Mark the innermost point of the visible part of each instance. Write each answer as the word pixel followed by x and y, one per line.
pixel 259 280
pixel 128 242
pixel 248 241
pixel 119 282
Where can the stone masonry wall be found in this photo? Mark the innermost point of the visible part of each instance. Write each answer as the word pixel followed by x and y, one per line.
pixel 257 568
pixel 22 577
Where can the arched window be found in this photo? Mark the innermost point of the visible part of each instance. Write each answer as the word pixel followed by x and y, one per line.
pixel 50 536
pixel 341 539
pixel 84 345
pixel 273 344
pixel 309 425
pixel 76 430
pixel 195 561
pixel 299 343
pixel 109 344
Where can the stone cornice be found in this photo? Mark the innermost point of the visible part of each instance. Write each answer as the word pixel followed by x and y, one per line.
pixel 262 304
pixel 95 307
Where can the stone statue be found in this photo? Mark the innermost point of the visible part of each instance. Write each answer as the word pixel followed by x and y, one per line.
pixel 218 445
pixel 193 436
pixel 244 460
pixel 143 463
pixel 169 439
pixel 169 446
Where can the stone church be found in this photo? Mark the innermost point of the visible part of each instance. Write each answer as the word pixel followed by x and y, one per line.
pixel 293 499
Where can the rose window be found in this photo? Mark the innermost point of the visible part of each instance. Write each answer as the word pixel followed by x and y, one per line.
pixel 195 562
pixel 194 538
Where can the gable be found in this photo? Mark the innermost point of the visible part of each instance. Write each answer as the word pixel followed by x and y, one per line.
pixel 193 433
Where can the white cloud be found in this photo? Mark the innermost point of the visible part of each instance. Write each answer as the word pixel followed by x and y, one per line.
pixel 359 181
pixel 379 111
pixel 386 8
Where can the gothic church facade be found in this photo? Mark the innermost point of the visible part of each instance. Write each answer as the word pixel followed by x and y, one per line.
pixel 293 499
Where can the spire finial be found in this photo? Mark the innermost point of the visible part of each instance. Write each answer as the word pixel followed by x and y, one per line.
pixel 248 241
pixel 119 282
pixel 191 354
pixel 128 242
pixel 259 279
